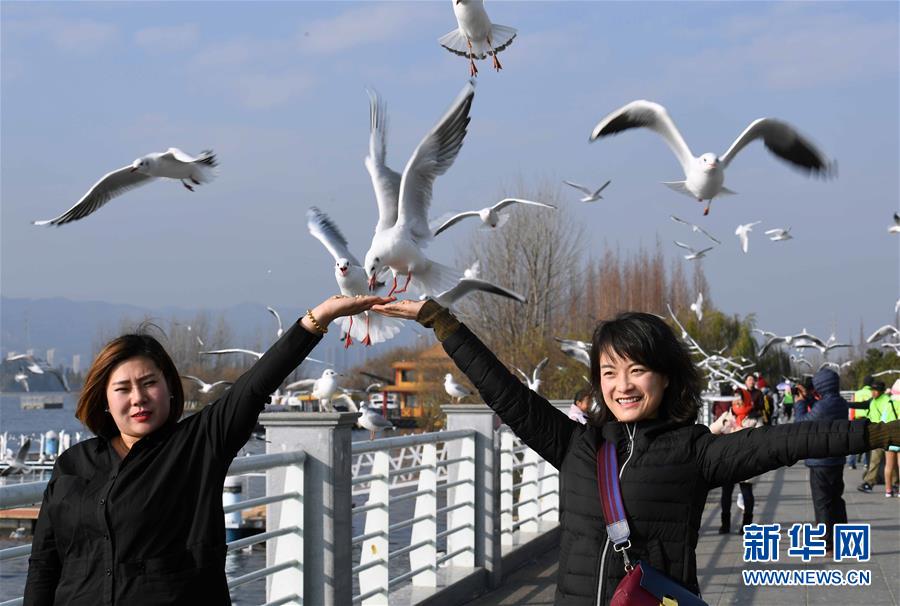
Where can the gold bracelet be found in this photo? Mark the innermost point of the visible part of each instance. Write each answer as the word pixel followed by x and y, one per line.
pixel 315 322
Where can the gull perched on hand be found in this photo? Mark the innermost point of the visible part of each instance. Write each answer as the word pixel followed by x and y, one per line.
pixel 171 164
pixel 367 328
pixel 697 307
pixel 454 389
pixel 696 228
pixel 402 230
pixel 779 234
pixel 590 195
pixel 490 216
pixel 534 381
pixel 204 386
pixel 694 253
pixel 704 176
pixel 743 232
pixel 476 37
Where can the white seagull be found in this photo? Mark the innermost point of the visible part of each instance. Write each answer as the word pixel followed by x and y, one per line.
pixel 17 464
pixel 32 366
pixel 697 307
pixel 490 216
pixel 322 389
pixel 372 420
pixel 704 176
pixel 743 232
pixel 534 381
pixel 454 389
pixel 473 270
pixel 280 330
pixel 22 379
pixel 476 37
pixel 694 253
pixel 696 228
pixel 402 230
pixel 204 386
pixel 577 350
pixel 467 286
pixel 367 328
pixel 885 331
pixel 895 228
pixel 779 234
pixel 171 164
pixel 249 352
pixel 590 195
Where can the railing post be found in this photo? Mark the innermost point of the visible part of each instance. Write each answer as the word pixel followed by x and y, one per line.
pixel 528 494
pixel 426 529
pixel 377 547
pixel 327 521
pixel 548 492
pixel 486 483
pixel 506 485
pixel 289 547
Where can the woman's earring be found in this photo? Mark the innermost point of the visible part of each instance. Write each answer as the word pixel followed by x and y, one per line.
pixel 105 410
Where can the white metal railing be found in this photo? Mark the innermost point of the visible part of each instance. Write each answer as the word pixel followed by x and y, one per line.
pixel 432 476
pixel 529 489
pixel 287 568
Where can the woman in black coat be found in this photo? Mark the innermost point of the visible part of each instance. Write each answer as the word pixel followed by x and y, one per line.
pixel 134 516
pixel 649 394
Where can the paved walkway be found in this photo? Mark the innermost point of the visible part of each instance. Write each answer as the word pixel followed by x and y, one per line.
pixel 781 496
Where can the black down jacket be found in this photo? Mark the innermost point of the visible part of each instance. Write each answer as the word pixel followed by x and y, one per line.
pixel 667 469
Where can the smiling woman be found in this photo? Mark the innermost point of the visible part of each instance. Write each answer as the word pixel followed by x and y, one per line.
pixel 648 393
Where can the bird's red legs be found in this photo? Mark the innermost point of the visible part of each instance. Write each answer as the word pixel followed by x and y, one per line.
pixel 368 340
pixel 394 287
pixel 405 285
pixel 473 71
pixel 186 185
pixel 706 210
pixel 347 340
pixel 497 65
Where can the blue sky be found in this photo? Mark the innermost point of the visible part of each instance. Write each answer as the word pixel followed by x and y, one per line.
pixel 278 91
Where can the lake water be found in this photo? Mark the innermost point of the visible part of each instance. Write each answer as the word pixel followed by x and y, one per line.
pixel 15 422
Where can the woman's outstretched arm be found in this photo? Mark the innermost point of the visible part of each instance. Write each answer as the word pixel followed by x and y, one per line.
pixel 233 417
pixel 537 422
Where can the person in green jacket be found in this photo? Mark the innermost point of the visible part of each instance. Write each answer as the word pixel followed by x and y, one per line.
pixel 880 411
pixel 863 394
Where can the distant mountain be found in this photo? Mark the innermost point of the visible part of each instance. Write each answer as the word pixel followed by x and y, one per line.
pixel 79 327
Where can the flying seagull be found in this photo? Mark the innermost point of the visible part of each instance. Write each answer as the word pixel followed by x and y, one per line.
pixel 704 176
pixel 280 330
pixel 367 328
pixel 249 352
pixel 490 216
pixel 534 381
pixel 577 350
pixel 402 230
pixel 204 386
pixel 323 388
pixel 171 164
pixel 778 234
pixel 895 228
pixel 476 37
pixel 694 254
pixel 590 195
pixel 743 232
pixel 697 307
pixel 885 331
pixel 468 286
pixel 696 228
pixel 17 464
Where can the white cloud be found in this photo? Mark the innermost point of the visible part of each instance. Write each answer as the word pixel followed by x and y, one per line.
pixel 370 24
pixel 167 38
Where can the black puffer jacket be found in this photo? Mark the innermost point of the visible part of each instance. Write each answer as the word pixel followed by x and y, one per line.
pixel 667 469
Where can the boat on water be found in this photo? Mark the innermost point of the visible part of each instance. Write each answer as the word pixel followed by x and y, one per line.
pixel 49 401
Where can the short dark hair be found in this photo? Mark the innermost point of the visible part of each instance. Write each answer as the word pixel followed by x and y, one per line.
pixel 878 386
pixel 867 380
pixel 92 404
pixel 582 394
pixel 648 340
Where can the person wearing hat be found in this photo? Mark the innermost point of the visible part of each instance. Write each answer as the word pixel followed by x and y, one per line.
pixel 879 411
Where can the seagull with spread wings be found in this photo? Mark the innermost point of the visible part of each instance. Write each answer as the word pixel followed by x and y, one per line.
pixel 467 286
pixel 491 217
pixel 696 228
pixel 779 234
pixel 743 234
pixel 694 254
pixel 476 37
pixel 367 328
pixel 590 195
pixel 402 230
pixel 204 386
pixel 170 164
pixel 704 176
pixel 534 381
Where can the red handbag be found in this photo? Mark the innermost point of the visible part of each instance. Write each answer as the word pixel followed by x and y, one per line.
pixel 643 585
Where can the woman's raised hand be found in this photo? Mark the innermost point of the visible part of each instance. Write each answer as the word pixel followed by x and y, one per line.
pixel 406 309
pixel 339 306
